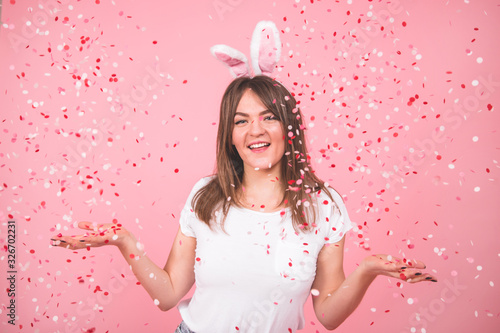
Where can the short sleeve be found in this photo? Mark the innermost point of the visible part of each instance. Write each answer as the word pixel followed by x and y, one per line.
pixel 188 217
pixel 337 218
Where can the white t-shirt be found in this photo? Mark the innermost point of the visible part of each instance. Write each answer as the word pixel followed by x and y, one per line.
pixel 257 276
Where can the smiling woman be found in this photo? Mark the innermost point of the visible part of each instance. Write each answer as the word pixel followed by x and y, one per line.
pixel 259 235
pixel 109 113
pixel 253 153
pixel 258 134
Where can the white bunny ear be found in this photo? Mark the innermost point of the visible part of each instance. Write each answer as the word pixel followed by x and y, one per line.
pixel 265 48
pixel 234 59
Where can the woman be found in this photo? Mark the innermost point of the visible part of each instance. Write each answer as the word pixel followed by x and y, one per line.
pixel 260 234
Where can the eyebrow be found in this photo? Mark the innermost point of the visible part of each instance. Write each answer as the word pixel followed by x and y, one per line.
pixel 246 114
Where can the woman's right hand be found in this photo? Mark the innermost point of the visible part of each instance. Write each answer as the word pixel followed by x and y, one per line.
pixel 97 234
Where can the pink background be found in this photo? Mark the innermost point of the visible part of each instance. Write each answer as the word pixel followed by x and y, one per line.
pixel 109 110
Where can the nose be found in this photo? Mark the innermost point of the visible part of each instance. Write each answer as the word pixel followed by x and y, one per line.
pixel 256 127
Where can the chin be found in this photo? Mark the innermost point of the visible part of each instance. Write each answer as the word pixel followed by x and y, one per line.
pixel 263 166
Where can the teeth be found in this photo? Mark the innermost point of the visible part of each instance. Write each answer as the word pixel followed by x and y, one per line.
pixel 258 145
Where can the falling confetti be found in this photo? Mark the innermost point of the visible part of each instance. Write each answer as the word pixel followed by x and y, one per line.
pixel 106 117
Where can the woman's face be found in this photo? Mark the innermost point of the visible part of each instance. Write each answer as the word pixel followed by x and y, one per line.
pixel 257 135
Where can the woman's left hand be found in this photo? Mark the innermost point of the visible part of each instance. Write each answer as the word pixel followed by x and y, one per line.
pixel 403 269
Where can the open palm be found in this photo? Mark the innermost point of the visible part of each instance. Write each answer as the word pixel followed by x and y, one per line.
pixel 407 270
pixel 96 235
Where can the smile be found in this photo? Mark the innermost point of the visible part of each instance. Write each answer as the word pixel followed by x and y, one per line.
pixel 259 145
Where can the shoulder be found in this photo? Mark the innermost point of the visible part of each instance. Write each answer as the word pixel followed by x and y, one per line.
pixel 203 182
pixel 199 185
pixel 331 204
pixel 333 219
pixel 329 197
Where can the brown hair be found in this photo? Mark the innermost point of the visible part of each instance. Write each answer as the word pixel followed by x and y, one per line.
pixel 297 175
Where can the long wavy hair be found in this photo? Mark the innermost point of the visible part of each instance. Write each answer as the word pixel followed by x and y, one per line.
pixel 297 176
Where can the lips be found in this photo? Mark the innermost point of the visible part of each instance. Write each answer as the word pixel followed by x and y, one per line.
pixel 259 145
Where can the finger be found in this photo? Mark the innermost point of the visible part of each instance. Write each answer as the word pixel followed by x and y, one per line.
pixel 86 225
pixel 96 233
pixel 422 278
pixel 100 229
pixel 78 242
pixel 394 264
pixel 414 263
pixel 415 275
pixel 72 243
pixel 92 226
pixel 57 242
pixel 400 265
pixel 412 275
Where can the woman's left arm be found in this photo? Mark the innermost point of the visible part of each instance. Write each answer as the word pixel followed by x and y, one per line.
pixel 335 297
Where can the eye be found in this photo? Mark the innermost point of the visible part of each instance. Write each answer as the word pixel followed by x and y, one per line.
pixel 239 122
pixel 271 117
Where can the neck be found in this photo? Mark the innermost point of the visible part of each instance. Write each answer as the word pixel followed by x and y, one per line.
pixel 262 190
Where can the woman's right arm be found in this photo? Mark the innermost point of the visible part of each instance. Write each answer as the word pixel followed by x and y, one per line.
pixel 166 286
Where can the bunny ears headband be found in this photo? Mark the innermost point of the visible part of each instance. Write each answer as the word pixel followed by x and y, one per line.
pixel 265 51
